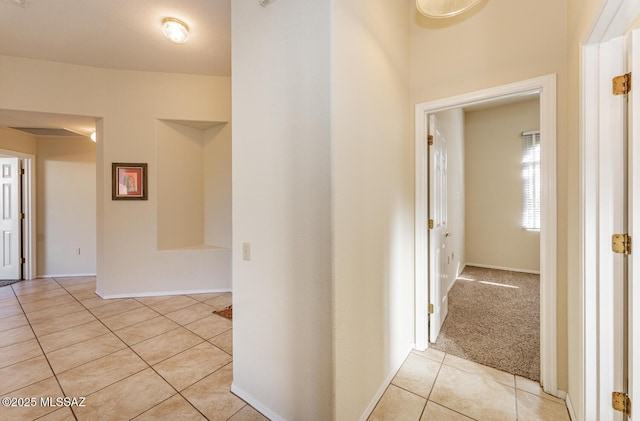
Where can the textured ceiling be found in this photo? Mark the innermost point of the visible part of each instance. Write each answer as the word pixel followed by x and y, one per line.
pixel 115 34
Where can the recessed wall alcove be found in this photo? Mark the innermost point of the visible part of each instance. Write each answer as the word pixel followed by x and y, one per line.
pixel 194 184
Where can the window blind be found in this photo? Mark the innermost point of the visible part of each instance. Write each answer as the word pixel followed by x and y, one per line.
pixel 531 180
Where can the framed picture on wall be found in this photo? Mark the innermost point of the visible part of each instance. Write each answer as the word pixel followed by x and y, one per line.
pixel 129 181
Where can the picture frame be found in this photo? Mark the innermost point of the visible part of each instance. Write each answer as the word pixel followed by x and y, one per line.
pixel 129 181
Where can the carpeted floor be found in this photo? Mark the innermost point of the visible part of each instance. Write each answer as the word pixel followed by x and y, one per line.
pixel 494 319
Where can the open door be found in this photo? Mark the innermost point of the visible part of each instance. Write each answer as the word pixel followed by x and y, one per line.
pixel 437 229
pixel 10 222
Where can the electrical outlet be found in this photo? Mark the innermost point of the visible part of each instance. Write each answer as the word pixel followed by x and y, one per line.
pixel 246 251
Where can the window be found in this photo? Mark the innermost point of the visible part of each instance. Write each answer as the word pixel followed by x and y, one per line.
pixel 531 180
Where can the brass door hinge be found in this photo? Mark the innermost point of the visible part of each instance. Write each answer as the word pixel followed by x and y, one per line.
pixel 431 309
pixel 23 260
pixel 621 243
pixel 621 402
pixel 22 216
pixel 430 224
pixel 430 140
pixel 622 84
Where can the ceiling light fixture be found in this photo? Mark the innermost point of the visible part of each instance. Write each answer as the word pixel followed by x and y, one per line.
pixel 266 3
pixel 175 30
pixel 22 3
pixel 93 135
pixel 444 8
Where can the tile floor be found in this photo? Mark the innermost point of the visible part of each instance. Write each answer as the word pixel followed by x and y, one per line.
pixel 169 357
pixel 432 385
pixel 149 358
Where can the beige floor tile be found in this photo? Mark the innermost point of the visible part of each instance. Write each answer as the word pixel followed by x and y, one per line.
pixel 128 318
pixel 534 408
pixel 479 369
pixel 9 311
pixel 50 302
pixel 6 292
pixel 72 281
pixel 15 335
pixel 23 374
pixel 46 327
pixel 34 286
pixel 82 288
pixel 19 352
pixel 206 296
pixel 71 336
pixel 248 414
pixel 190 314
pixel 398 404
pixel 167 345
pixel 39 295
pixel 95 375
pixel 83 352
pixel 224 341
pixel 220 302
pixel 127 398
pixel 432 354
pixel 9 301
pixel 154 300
pixel 172 304
pixel 111 309
pixel 88 293
pixel 435 412
pixel 192 365
pixel 93 301
pixel 417 375
pixel 210 326
pixel 62 414
pixel 44 388
pixel 473 395
pixel 175 408
pixel 145 330
pixel 12 322
pixel 212 395
pixel 535 388
pixel 55 311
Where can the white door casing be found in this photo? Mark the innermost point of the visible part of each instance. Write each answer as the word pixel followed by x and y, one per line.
pixel 10 220
pixel 545 86
pixel 437 236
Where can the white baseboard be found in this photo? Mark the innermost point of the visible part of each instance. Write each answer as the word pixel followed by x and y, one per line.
pixel 161 293
pixel 535 272
pixel 66 275
pixel 572 412
pixel 255 403
pixel 385 384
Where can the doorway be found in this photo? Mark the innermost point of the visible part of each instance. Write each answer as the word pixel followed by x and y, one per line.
pixel 546 88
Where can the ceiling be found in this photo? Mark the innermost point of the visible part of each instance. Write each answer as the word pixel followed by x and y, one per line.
pixel 114 34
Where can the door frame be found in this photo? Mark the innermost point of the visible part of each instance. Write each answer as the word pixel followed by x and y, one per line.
pixel 614 19
pixel 545 86
pixel 29 210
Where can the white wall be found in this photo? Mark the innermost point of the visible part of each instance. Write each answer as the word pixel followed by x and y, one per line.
pixel 282 206
pixel 494 45
pixel 493 142
pixel 451 125
pixel 65 206
pixel 372 197
pixel 127 105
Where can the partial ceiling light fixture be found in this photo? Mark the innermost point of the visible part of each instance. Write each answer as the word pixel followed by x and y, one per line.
pixel 175 30
pixel 22 3
pixel 93 135
pixel 444 8
pixel 266 3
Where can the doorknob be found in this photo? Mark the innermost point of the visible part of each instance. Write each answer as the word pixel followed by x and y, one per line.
pixel 447 234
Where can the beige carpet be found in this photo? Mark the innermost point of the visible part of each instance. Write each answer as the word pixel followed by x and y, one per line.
pixel 494 319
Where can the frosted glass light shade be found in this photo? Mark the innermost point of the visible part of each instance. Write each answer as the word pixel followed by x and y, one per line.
pixel 175 30
pixel 444 8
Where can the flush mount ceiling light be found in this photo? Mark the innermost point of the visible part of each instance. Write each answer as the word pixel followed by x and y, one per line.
pixel 22 3
pixel 266 3
pixel 444 8
pixel 175 30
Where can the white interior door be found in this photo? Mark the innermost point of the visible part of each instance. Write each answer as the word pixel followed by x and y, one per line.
pixel 10 223
pixel 438 228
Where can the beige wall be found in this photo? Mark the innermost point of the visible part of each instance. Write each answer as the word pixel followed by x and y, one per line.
pixel 372 198
pixel 492 46
pixel 451 125
pixel 127 105
pixel 495 236
pixel 65 206
pixel 283 354
pixel 13 140
pixel 216 154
